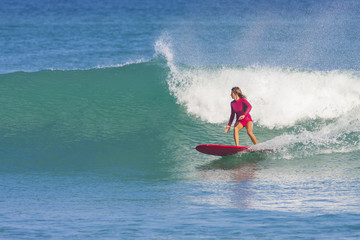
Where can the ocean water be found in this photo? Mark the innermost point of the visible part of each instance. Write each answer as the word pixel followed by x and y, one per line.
pixel 104 102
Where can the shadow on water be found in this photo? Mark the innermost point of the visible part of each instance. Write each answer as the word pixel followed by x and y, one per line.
pixel 234 161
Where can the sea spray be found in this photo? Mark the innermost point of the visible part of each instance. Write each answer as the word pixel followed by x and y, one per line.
pixel 280 96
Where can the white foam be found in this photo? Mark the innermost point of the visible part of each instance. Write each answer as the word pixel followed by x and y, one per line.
pixel 339 136
pixel 280 97
pixel 136 61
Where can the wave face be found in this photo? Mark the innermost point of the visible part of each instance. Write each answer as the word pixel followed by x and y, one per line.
pixel 79 117
pixel 158 109
pixel 305 95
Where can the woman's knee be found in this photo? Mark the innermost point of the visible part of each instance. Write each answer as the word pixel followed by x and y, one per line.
pixel 250 132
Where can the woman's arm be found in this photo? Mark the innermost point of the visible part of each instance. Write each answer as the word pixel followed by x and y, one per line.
pixel 232 115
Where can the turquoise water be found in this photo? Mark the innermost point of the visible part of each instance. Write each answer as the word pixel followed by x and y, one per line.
pixel 101 112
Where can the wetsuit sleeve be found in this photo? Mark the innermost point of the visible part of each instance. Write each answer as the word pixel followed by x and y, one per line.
pixel 248 106
pixel 231 116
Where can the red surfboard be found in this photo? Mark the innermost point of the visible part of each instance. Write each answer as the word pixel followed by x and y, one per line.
pixel 225 150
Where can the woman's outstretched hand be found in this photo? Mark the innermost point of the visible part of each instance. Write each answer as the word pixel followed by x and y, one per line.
pixel 227 128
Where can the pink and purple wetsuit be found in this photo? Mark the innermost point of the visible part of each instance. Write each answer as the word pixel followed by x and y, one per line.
pixel 240 107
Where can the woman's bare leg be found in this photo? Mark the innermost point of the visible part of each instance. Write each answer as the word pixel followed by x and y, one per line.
pixel 249 128
pixel 237 128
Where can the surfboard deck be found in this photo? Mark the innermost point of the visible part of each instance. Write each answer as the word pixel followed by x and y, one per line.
pixel 225 150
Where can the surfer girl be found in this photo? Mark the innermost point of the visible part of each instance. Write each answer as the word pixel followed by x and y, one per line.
pixel 241 107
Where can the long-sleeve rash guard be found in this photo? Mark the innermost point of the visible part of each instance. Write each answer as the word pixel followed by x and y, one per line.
pixel 240 107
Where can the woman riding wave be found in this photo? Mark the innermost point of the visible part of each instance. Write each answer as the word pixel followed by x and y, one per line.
pixel 241 107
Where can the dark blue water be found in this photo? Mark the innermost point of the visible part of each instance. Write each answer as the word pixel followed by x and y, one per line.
pixel 103 103
pixel 81 34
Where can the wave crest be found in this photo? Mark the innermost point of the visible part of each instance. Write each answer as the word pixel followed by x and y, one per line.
pixel 280 96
